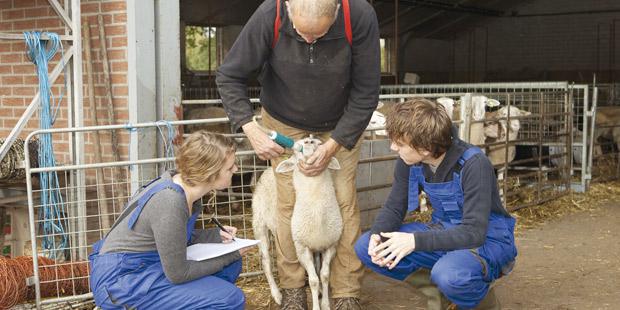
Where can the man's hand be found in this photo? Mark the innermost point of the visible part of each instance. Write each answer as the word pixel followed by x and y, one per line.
pixel 395 248
pixel 264 147
pixel 319 160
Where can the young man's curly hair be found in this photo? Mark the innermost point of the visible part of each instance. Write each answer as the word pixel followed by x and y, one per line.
pixel 421 124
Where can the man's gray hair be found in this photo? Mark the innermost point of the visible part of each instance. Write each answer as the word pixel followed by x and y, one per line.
pixel 314 8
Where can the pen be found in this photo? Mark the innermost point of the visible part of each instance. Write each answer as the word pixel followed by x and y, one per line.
pixel 222 227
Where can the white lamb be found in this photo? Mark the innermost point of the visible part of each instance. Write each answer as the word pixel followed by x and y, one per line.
pixel 502 132
pixel 316 223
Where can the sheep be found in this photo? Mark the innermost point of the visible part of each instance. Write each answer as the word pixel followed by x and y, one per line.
pixel 577 149
pixel 449 104
pixel 476 130
pixel 376 126
pixel 316 223
pixel 606 126
pixel 500 131
pixel 205 113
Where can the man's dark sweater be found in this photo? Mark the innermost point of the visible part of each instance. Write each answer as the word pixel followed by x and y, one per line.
pixel 318 87
pixel 481 196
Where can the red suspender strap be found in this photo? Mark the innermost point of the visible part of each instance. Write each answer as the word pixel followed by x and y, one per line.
pixel 276 25
pixel 347 21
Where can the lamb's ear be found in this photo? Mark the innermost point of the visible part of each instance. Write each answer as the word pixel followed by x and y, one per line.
pixel 525 113
pixel 334 164
pixel 493 103
pixel 287 165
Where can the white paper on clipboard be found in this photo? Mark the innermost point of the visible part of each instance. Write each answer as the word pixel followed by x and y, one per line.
pixel 202 251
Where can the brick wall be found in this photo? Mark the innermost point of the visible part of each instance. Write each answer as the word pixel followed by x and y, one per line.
pixel 562 47
pixel 18 80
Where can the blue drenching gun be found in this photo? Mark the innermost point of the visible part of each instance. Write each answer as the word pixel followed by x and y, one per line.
pixel 280 139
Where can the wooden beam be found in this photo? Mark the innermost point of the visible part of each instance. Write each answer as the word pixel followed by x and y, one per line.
pixel 34 105
pixel 62 13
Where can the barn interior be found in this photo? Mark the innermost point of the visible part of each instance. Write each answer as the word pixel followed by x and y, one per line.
pixel 557 64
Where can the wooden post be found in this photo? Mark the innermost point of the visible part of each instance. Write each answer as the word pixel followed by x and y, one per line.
pixel 118 188
pixel 102 197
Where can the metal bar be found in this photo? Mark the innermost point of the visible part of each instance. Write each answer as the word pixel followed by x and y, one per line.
pixel 33 235
pixel 20 36
pixel 396 42
pixel 607 11
pixel 130 126
pixel 453 7
pixel 69 298
pixel 373 187
pixel 534 203
pixel 34 104
pixel 62 13
pixel 78 121
pixel 212 101
pixel 378 159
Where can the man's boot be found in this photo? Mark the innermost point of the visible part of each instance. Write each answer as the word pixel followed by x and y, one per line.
pixel 490 302
pixel 421 280
pixel 294 299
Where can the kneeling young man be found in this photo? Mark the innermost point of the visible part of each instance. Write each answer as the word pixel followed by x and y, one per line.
pixel 469 242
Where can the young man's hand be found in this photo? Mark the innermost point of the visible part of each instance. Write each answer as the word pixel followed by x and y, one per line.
pixel 372 244
pixel 395 248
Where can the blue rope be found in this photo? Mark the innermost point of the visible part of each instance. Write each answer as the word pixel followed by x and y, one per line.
pixel 167 138
pixel 53 213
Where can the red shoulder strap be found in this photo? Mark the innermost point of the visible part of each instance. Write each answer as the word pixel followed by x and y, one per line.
pixel 347 21
pixel 276 25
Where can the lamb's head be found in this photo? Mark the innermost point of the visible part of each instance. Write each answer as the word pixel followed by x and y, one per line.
pixel 302 150
pixel 448 104
pixel 513 111
pixel 377 121
pixel 479 104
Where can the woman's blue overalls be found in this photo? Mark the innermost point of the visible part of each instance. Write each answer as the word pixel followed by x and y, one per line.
pixel 136 280
pixel 463 276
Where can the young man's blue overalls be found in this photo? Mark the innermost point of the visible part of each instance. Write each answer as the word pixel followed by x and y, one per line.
pixel 463 276
pixel 124 280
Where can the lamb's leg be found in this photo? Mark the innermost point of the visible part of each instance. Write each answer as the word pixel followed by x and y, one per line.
pixel 327 256
pixel 306 260
pixel 262 233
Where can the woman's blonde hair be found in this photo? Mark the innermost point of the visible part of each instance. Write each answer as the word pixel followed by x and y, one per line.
pixel 202 156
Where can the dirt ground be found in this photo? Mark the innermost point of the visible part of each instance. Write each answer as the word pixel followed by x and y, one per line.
pixel 572 262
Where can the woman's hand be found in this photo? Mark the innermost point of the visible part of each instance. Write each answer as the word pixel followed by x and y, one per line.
pixel 395 248
pixel 245 250
pixel 229 234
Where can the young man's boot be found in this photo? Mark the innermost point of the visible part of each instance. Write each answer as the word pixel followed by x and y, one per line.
pixel 490 302
pixel 421 280
pixel 294 299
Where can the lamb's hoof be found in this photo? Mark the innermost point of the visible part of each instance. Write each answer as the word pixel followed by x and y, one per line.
pixel 277 296
pixel 325 304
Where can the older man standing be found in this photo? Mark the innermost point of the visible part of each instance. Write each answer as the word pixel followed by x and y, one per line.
pixel 319 68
